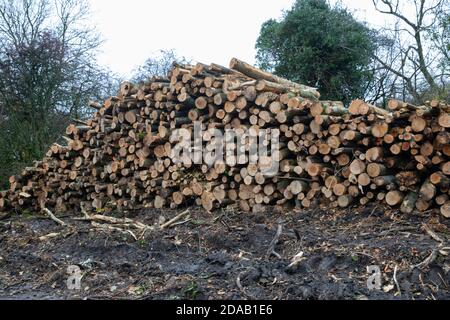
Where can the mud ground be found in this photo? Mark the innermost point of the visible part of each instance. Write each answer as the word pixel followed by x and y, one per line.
pixel 225 255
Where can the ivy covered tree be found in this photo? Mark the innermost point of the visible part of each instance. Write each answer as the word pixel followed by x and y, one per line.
pixel 320 46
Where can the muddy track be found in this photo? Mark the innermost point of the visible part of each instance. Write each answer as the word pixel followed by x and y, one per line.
pixel 225 256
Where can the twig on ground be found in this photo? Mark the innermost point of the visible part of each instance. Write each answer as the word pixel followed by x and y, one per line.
pixel 4 216
pixel 365 255
pixel 117 221
pixel 429 260
pixel 400 229
pixel 396 282
pixel 434 254
pixel 115 224
pixel 174 220
pixel 83 210
pixel 181 223
pixel 64 234
pixel 53 217
pixel 111 228
pixel 296 260
pixel 50 236
pixel 431 233
pixel 271 250
pixel 241 288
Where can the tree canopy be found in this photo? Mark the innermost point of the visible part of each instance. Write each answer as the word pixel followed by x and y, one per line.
pixel 320 46
pixel 48 72
pixel 157 65
pixel 415 56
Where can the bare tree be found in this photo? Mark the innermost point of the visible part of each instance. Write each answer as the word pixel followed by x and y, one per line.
pixel 158 65
pixel 48 72
pixel 22 21
pixel 412 57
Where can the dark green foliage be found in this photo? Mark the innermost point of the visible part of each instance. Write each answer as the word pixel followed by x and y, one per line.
pixel 319 46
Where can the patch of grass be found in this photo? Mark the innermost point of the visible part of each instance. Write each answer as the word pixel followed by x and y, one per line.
pixel 143 288
pixel 142 243
pixel 28 215
pixel 198 222
pixel 100 211
pixel 191 292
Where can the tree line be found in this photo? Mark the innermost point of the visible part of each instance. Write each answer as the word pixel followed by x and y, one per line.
pixel 327 47
pixel 48 73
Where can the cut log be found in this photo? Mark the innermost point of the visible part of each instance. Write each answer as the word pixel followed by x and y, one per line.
pixel 375 170
pixel 394 198
pixel 357 167
pixel 258 74
pixel 445 209
pixel 427 191
pixel 345 201
pixel 409 203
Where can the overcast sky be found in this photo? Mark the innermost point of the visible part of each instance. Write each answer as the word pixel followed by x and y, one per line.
pixel 201 30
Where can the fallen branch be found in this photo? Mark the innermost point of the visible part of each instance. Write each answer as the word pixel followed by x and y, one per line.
pixel 112 220
pixel 429 260
pixel 174 220
pixel 396 282
pixel 65 233
pixel 50 236
pixel 111 228
pixel 241 288
pixel 53 217
pixel 432 234
pixel 296 260
pixel 116 224
pixel 434 254
pixel 271 250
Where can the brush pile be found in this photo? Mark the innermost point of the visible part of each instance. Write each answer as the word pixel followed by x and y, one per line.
pixel 328 154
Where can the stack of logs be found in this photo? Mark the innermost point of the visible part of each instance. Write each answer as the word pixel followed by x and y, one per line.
pixel 329 154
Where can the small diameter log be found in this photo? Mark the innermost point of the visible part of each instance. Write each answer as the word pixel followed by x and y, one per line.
pixel 445 167
pixel 258 74
pixel 364 180
pixel 445 209
pixel 298 186
pixel 439 179
pixel 409 203
pixel 374 154
pixel 380 129
pixel 422 205
pixel 394 198
pixel 444 120
pixel 443 198
pixel 396 105
pixel 375 170
pixel 345 201
pixel 427 191
pixel 357 167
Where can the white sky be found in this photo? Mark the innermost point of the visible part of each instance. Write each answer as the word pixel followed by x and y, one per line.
pixel 201 30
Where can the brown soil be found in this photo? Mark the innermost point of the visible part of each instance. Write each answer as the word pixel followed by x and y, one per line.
pixel 224 256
